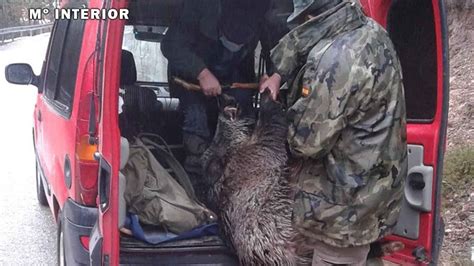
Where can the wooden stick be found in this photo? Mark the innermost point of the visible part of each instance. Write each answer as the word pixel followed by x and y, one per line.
pixel 195 87
pixel 186 85
pixel 248 86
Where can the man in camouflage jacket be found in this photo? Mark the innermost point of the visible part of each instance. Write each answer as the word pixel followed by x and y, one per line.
pixel 347 127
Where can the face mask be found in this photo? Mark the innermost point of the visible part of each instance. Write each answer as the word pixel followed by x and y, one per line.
pixel 120 108
pixel 231 46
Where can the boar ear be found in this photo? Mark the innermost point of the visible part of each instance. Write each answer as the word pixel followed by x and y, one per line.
pixel 266 97
pixel 226 100
pixel 269 109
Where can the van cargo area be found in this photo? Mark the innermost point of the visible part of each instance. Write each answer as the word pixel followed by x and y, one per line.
pixel 149 110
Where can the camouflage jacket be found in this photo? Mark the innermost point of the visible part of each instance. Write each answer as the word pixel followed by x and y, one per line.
pixel 347 126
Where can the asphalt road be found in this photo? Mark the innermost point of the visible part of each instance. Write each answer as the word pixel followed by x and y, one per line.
pixel 27 230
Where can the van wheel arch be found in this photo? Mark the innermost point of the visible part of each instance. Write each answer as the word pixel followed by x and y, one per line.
pixel 40 189
pixel 60 246
pixel 56 209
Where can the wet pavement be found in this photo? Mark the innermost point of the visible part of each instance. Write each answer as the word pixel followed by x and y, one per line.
pixel 27 230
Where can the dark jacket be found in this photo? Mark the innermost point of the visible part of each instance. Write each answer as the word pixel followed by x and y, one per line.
pixel 192 44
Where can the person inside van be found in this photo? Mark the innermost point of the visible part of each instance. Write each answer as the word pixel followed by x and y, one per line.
pixel 213 44
pixel 347 128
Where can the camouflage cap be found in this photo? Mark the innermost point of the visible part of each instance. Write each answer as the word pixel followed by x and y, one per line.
pixel 301 6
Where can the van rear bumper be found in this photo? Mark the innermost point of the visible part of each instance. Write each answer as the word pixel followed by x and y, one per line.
pixel 78 222
pixel 185 258
pixel 207 250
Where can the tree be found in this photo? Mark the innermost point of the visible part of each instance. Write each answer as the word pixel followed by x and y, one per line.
pixel 460 4
pixel 15 12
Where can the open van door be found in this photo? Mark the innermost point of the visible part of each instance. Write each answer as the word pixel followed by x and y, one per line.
pixel 104 241
pixel 419 31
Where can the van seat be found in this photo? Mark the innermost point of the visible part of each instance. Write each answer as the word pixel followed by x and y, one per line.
pixel 128 70
pixel 140 104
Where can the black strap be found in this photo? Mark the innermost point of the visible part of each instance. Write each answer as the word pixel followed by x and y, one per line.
pixel 165 152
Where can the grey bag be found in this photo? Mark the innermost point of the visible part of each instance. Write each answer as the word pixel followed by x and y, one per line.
pixel 156 197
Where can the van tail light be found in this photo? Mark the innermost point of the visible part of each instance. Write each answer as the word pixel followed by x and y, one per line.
pixel 84 150
pixel 86 171
pixel 85 242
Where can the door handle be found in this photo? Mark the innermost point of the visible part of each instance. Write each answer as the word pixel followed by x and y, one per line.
pixel 104 184
pixel 39 116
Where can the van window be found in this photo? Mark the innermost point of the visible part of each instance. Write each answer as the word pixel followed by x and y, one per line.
pixel 411 27
pixel 63 60
pixel 150 62
pixel 54 58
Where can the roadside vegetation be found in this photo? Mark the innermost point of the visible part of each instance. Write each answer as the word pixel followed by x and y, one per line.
pixel 458 170
pixel 458 206
pixel 458 179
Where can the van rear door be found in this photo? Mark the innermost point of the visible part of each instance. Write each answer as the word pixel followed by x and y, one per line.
pixel 106 234
pixel 418 30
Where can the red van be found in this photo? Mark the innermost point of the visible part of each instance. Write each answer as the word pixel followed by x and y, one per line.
pixel 77 128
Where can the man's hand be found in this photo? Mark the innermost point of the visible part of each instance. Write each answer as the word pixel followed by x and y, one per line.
pixel 272 83
pixel 209 84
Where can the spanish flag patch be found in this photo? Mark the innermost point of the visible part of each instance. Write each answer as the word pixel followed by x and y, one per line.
pixel 305 91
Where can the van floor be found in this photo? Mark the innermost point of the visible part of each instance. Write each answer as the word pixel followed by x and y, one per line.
pixel 208 250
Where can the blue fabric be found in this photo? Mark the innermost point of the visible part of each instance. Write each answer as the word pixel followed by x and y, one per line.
pixel 195 114
pixel 159 237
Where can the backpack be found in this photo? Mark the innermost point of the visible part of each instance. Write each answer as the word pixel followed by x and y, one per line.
pixel 155 196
